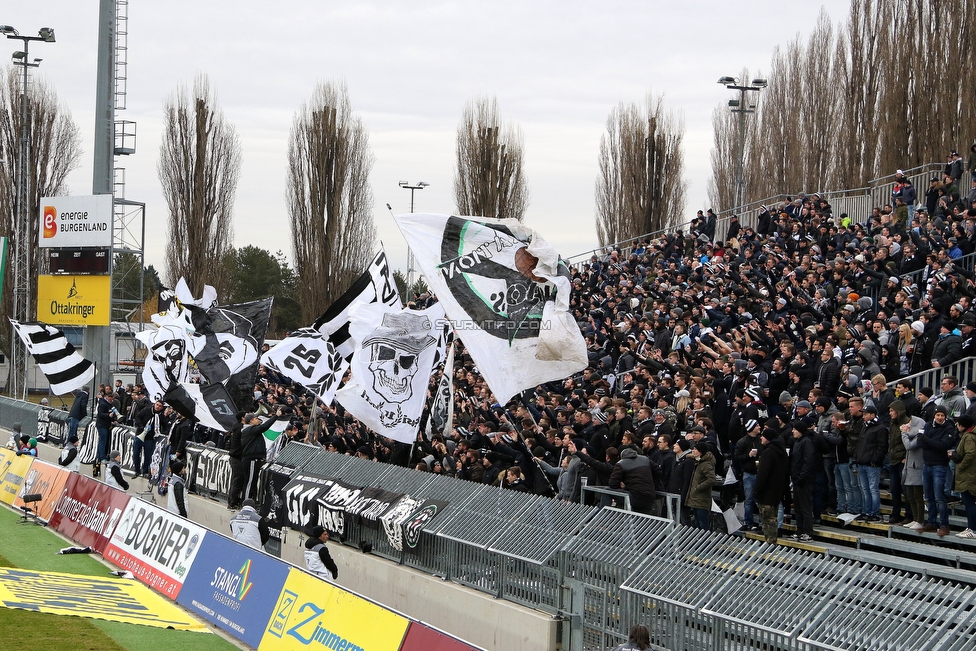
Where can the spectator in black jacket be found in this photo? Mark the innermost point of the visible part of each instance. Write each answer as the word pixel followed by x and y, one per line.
pixel 746 458
pixel 805 463
pixel 872 445
pixel 936 440
pixel 772 476
pixel 680 480
pixel 79 411
pixel 634 474
pixel 254 451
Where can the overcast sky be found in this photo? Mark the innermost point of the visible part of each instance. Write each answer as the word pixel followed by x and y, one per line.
pixel 556 67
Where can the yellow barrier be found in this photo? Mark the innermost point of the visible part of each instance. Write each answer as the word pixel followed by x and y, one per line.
pixel 13 469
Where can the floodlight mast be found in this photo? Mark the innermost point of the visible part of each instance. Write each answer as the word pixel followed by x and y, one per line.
pixel 23 219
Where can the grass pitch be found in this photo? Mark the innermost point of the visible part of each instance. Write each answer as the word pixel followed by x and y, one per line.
pixel 30 547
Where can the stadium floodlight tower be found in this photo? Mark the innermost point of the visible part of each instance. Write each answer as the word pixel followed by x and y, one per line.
pixel 741 106
pixel 411 262
pixel 25 224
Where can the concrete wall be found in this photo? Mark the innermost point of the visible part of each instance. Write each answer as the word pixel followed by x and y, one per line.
pixel 494 624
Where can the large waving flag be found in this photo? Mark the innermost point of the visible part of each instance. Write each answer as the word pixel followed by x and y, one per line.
pixel 305 356
pixel 58 360
pixel 391 366
pixel 507 293
pixel 442 410
pixel 376 285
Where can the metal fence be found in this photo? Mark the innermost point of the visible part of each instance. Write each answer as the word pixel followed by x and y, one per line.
pixel 599 571
pixel 855 202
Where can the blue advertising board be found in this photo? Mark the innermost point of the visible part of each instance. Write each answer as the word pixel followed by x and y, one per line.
pixel 234 586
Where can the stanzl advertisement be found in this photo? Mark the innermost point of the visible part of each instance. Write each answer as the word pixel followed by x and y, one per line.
pixel 87 511
pixel 234 587
pixel 157 546
pixel 76 221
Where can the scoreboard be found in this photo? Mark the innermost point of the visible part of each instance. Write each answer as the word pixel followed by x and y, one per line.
pixel 79 261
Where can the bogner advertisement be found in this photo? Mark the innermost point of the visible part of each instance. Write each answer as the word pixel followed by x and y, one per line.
pixel 157 546
pixel 76 221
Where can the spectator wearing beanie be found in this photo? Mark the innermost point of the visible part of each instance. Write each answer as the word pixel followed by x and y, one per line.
pixel 805 464
pixel 936 440
pixel 964 457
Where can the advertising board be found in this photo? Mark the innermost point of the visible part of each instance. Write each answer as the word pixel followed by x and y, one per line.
pixel 313 614
pixel 157 546
pixel 46 480
pixel 74 300
pixel 233 586
pixel 87 511
pixel 75 221
pixel 13 469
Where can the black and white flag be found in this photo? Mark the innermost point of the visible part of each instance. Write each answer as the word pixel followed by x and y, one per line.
pixel 442 410
pixel 507 293
pixel 306 357
pixel 228 344
pixel 61 364
pixel 211 405
pixel 391 367
pixel 376 285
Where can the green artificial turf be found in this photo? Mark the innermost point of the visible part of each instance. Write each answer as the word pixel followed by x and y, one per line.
pixel 31 547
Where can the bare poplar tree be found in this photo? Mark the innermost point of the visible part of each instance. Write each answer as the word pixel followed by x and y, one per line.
pixel 199 165
pixel 55 152
pixel 330 203
pixel 639 189
pixel 721 183
pixel 489 180
pixel 888 90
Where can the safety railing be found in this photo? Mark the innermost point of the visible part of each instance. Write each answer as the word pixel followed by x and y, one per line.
pixel 964 371
pixel 599 571
pixel 857 203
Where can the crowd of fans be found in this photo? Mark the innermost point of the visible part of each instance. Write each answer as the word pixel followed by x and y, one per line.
pixel 765 366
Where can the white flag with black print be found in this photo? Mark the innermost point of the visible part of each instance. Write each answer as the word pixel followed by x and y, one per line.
pixel 169 348
pixel 376 285
pixel 64 368
pixel 506 292
pixel 391 366
pixel 441 416
pixel 305 356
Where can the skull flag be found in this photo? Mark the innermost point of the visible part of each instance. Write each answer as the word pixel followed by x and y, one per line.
pixel 391 366
pixel 506 292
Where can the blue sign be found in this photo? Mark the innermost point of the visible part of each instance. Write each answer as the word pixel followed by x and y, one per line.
pixel 234 586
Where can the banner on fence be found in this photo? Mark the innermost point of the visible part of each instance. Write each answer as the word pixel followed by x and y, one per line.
pixel 300 499
pixel 312 613
pixel 13 469
pixel 157 546
pixel 119 438
pixel 52 426
pixel 234 587
pixel 46 480
pixel 332 504
pixel 209 470
pixel 87 511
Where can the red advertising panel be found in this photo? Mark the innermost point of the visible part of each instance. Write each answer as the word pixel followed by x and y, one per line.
pixel 45 480
pixel 424 638
pixel 157 546
pixel 87 511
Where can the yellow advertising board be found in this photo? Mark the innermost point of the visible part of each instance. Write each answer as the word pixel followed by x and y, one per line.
pixel 74 300
pixel 319 616
pixel 117 600
pixel 13 469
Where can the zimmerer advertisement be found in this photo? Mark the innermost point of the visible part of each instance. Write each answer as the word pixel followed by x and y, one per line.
pixel 74 300
pixel 76 221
